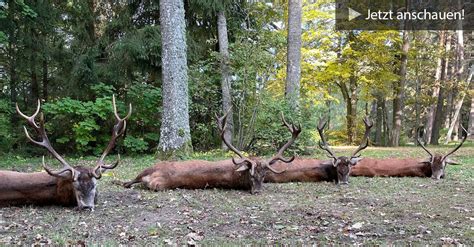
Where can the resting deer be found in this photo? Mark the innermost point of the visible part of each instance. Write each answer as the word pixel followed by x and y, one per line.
pixel 313 170
pixel 342 165
pixel 246 173
pixel 438 162
pixel 69 186
pixel 434 166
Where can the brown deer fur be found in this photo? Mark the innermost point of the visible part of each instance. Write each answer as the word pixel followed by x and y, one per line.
pixel 192 174
pixel 391 167
pixel 303 170
pixel 17 188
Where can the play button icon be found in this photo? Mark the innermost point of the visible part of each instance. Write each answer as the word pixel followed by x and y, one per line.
pixel 353 14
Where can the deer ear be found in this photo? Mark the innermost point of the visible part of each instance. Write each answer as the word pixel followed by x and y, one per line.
pixel 252 170
pixel 452 162
pixel 354 161
pixel 242 168
pixel 428 161
pixel 327 162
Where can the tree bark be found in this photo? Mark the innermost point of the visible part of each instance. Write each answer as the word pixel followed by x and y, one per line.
pixel 436 89
pixel 175 138
pixel 226 84
pixel 459 79
pixel 398 101
pixel 293 69
pixel 417 106
pixel 34 79
pixel 470 128
pixel 457 109
pixel 351 109
pixel 45 79
pixel 439 112
pixel 379 120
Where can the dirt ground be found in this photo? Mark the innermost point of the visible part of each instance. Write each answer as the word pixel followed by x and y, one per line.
pixel 367 211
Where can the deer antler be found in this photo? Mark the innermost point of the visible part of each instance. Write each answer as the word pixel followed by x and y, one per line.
pixel 365 141
pixel 424 148
pixel 460 144
pixel 117 131
pixel 322 143
pixel 39 128
pixel 295 131
pixel 221 124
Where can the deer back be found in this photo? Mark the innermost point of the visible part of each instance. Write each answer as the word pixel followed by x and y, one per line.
pixel 303 170
pixel 39 188
pixel 391 167
pixel 193 174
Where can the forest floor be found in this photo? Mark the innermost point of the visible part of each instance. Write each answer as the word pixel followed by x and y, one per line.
pixel 368 211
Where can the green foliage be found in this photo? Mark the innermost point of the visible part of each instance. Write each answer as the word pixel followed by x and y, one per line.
pixel 144 124
pixel 60 50
pixel 85 126
pixel 270 135
pixel 3 37
pixel 77 124
pixel 205 93
pixel 7 136
pixel 135 145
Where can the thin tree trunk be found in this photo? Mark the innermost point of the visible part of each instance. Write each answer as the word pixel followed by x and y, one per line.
pixel 386 127
pixel 293 69
pixel 175 138
pixel 225 76
pixel 417 105
pixel 379 120
pixel 449 107
pixel 440 113
pixel 45 79
pixel 459 79
pixel 328 106
pixel 448 86
pixel 457 110
pixel 470 128
pixel 34 79
pixel 436 89
pixel 398 101
pixel 438 119
pixel 351 108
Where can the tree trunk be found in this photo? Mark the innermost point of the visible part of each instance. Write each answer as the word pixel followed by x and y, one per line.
pixel 440 113
pixel 175 138
pixel 351 108
pixel 458 106
pixel 386 127
pixel 470 128
pixel 226 83
pixel 293 68
pixel 34 79
pixel 90 22
pixel 449 107
pixel 417 106
pixel 436 89
pixel 398 101
pixel 45 79
pixel 379 120
pixel 459 79
pixel 438 118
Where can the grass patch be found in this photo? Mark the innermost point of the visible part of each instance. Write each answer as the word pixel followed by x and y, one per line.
pixel 371 211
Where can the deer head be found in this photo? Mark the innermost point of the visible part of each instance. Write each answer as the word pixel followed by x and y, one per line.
pixel 83 179
pixel 343 164
pixel 438 162
pixel 255 168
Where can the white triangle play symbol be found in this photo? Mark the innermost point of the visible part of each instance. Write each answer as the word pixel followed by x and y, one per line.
pixel 353 14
